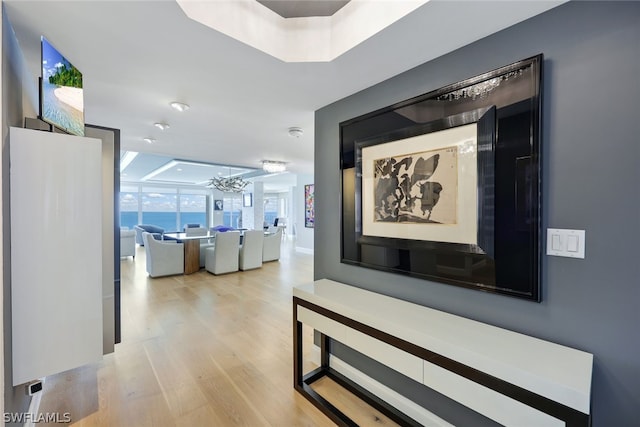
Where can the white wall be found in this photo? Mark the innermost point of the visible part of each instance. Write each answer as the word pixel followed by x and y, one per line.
pixel 252 215
pixel 18 101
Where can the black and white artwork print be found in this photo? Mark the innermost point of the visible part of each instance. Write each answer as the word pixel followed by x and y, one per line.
pixel 417 188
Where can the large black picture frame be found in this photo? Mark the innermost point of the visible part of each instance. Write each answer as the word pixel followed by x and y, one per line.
pixel 505 104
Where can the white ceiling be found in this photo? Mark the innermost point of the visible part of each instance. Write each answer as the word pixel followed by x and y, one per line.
pixel 297 9
pixel 165 171
pixel 137 56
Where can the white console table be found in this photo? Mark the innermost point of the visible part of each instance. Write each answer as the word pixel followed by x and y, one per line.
pixel 511 378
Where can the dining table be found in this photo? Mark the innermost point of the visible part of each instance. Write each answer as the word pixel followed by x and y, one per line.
pixel 192 247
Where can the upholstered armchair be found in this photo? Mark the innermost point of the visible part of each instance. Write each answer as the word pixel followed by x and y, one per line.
pixel 251 249
pixel 271 246
pixel 127 242
pixel 223 256
pixel 158 232
pixel 164 258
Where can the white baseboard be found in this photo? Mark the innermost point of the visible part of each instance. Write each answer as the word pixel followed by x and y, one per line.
pixel 393 398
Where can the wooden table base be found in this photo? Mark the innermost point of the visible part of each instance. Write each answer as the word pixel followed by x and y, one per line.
pixel 191 256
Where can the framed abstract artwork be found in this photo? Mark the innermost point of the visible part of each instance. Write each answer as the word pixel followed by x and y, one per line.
pixel 247 200
pixel 309 211
pixel 446 186
pixel 422 184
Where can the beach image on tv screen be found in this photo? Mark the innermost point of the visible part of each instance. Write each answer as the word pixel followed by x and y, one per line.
pixel 62 98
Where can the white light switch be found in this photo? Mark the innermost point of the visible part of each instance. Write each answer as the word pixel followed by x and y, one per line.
pixel 568 243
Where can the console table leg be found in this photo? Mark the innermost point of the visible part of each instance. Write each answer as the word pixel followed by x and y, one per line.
pixel 325 350
pixel 297 349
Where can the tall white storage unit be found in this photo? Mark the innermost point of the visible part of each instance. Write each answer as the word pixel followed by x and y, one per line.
pixel 56 252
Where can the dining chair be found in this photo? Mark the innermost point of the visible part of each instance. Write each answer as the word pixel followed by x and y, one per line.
pixel 271 246
pixel 251 250
pixel 223 256
pixel 195 231
pixel 164 257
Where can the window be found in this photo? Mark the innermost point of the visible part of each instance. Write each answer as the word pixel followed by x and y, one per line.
pixel 169 208
pixel 129 207
pixel 232 216
pixel 193 208
pixel 270 208
pixel 159 207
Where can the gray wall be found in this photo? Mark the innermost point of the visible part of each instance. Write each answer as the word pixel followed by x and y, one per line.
pixel 591 173
pixel 14 77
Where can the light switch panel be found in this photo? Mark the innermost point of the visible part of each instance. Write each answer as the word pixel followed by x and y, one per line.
pixel 573 242
pixel 567 243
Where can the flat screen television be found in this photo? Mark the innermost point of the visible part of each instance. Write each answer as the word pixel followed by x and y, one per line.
pixel 61 96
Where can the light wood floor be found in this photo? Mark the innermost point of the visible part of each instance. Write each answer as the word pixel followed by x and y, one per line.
pixel 200 350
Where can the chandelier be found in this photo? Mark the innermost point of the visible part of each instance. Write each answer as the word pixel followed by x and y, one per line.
pixel 233 184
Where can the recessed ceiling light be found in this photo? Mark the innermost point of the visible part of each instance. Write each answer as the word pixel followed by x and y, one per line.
pixel 149 140
pixel 179 169
pixel 180 106
pixel 162 126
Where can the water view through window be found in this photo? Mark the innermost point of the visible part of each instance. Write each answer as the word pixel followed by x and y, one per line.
pixel 166 208
pixel 173 208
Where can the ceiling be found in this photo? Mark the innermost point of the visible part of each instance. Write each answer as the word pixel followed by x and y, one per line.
pixel 306 8
pixel 138 56
pixel 159 170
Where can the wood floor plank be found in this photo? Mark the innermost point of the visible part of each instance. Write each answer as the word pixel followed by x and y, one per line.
pixel 350 405
pixel 198 350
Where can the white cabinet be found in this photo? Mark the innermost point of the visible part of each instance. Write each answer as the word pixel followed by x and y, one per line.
pixel 56 252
